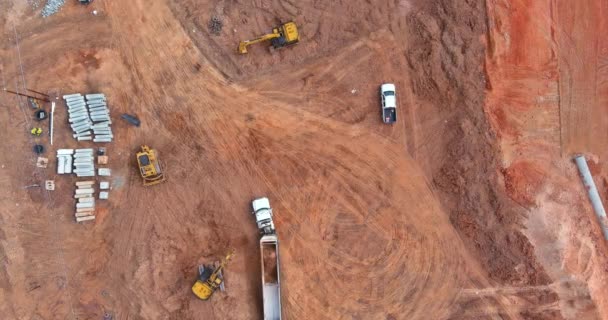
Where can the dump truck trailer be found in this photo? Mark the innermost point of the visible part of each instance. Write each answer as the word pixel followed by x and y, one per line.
pixel 271 284
pixel 269 250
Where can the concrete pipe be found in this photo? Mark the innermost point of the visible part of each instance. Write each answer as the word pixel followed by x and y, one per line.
pixel 96 102
pixel 99 111
pixel 76 100
pixel 85 175
pixel 86 159
pixel 68 164
pixel 594 196
pixel 86 205
pixel 60 165
pixel 75 105
pixel 95 96
pixel 76 109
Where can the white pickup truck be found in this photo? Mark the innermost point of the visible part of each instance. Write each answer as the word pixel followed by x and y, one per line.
pixel 388 100
pixel 269 249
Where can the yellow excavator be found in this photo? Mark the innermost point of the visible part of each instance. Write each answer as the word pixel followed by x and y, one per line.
pixel 210 278
pixel 284 35
pixel 149 166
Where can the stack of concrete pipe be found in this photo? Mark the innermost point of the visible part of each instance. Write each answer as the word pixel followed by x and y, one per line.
pixel 78 116
pixel 84 163
pixel 85 206
pixel 64 161
pixel 100 116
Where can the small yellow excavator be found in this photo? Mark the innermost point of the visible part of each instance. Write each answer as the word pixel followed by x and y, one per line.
pixel 210 278
pixel 284 35
pixel 149 166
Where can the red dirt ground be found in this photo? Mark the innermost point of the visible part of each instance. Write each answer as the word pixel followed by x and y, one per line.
pixel 547 101
pixel 467 208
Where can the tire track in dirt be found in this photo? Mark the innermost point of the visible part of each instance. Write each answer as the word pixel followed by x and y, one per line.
pixel 363 235
pixel 275 121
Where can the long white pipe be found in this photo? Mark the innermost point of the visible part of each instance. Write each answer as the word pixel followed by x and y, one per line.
pixel 594 196
pixel 51 125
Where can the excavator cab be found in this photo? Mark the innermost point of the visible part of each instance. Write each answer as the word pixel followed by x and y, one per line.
pixel 284 35
pixel 149 166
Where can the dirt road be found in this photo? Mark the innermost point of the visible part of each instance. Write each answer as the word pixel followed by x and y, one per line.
pixel 412 221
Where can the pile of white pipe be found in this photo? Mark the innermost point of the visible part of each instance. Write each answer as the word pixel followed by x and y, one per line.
pixel 79 161
pixel 100 116
pixel 84 163
pixel 85 206
pixel 78 116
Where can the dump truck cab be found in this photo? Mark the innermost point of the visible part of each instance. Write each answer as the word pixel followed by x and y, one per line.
pixel 263 215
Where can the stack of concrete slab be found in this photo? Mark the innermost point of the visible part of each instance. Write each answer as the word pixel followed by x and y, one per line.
pixel 104 185
pixel 84 163
pixel 78 116
pixel 100 116
pixel 85 206
pixel 64 161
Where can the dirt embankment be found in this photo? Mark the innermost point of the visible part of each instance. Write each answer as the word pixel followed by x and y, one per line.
pixel 547 93
pixel 447 58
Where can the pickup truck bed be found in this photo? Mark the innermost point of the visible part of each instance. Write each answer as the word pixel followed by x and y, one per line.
pixel 389 115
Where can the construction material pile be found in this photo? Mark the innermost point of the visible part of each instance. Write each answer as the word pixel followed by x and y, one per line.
pixel 84 163
pixel 78 116
pixel 85 206
pixel 51 7
pixel 79 161
pixel 64 161
pixel 215 25
pixel 100 115
pixel 92 114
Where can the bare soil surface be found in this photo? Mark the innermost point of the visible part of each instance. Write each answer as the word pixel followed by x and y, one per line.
pixel 546 101
pixel 467 208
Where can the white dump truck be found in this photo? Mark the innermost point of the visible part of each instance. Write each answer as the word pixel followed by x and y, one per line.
pixel 269 249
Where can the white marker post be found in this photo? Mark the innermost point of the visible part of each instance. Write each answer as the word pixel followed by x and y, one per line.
pixel 51 126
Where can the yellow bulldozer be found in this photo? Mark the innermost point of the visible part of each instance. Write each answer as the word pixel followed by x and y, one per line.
pixel 283 35
pixel 210 278
pixel 149 166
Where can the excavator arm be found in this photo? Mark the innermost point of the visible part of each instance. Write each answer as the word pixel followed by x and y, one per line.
pixel 243 44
